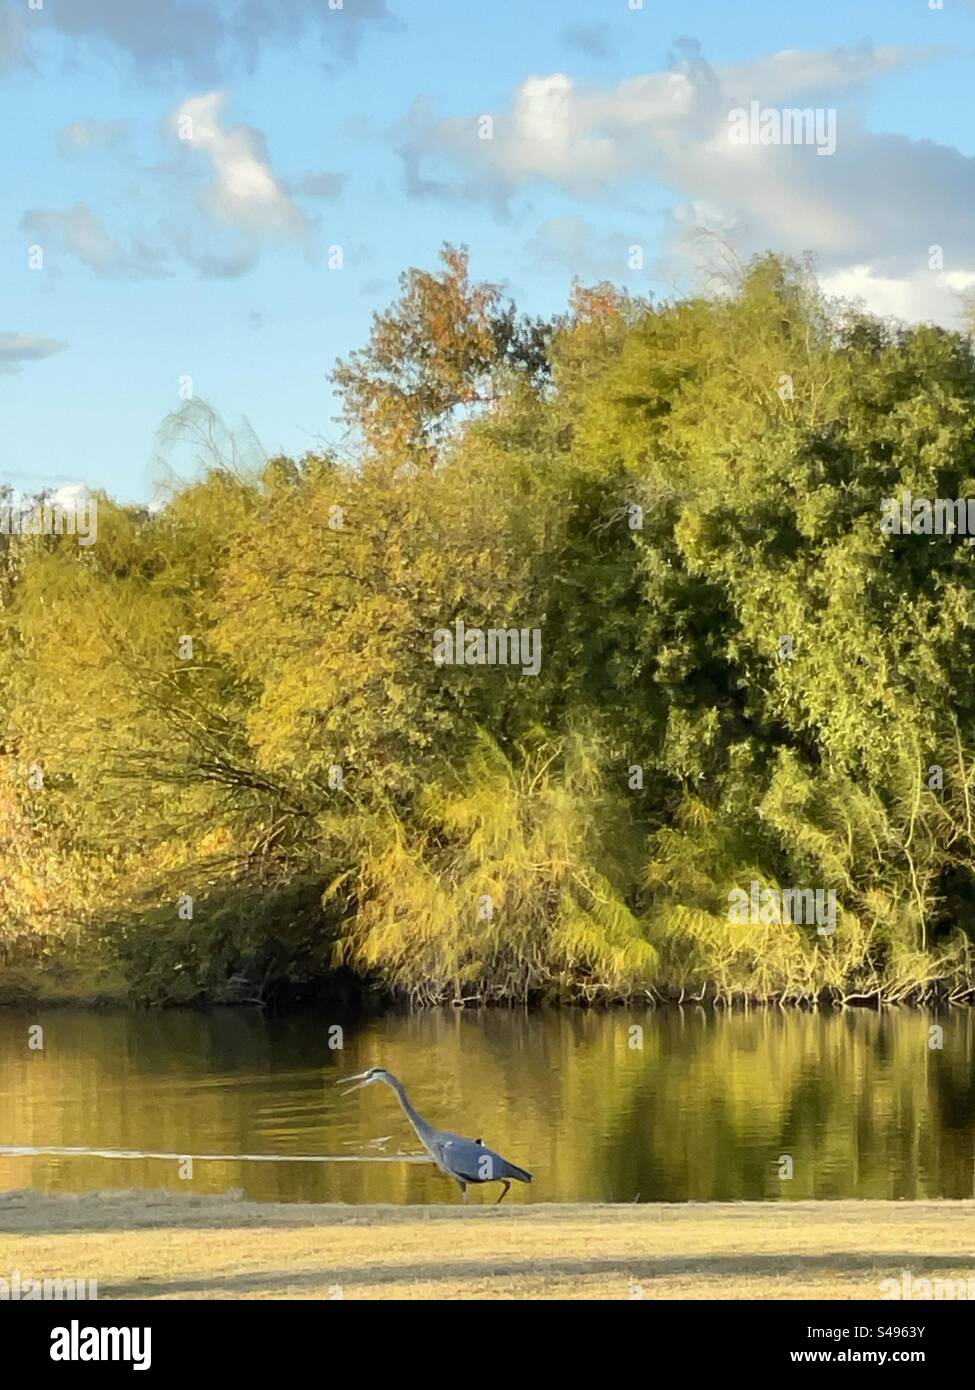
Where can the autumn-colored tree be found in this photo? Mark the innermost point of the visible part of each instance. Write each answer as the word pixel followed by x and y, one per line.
pixel 434 355
pixel 743 676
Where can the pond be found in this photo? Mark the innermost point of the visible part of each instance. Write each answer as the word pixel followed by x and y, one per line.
pixel 669 1105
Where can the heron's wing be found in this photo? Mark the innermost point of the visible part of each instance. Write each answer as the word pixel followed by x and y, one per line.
pixel 473 1162
pixel 461 1157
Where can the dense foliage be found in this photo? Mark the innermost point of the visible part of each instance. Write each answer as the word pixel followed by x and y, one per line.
pixel 744 678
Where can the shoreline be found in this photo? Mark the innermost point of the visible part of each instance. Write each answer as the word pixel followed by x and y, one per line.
pixel 38 995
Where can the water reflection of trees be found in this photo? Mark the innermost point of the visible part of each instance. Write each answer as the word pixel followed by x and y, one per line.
pixel 703 1111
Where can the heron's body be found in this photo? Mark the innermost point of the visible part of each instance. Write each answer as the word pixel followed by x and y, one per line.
pixel 464 1160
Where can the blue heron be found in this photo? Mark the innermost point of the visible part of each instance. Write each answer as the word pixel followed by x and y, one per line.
pixel 464 1160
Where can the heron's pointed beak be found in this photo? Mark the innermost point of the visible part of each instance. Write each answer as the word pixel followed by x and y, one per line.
pixel 360 1080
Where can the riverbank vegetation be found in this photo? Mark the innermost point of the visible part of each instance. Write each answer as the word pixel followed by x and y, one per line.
pixel 743 677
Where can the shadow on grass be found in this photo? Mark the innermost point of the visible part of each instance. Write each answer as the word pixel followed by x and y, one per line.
pixel 633 1268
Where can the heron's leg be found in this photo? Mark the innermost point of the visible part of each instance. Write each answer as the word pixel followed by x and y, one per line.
pixel 504 1192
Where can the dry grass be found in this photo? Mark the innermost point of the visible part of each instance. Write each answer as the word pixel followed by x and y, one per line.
pixel 161 1245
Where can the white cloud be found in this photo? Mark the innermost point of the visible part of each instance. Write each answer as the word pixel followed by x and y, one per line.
pixel 243 192
pixel 924 295
pixel 78 231
pixel 197 38
pixel 874 206
pixel 244 205
pixel 588 138
pixel 214 260
pixel 18 348
pixel 71 494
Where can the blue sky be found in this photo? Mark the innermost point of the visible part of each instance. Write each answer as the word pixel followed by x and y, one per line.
pixel 309 128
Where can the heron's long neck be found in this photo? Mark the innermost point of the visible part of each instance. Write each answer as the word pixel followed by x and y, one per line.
pixel 419 1124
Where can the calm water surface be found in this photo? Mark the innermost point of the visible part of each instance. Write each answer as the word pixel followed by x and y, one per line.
pixel 861 1103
